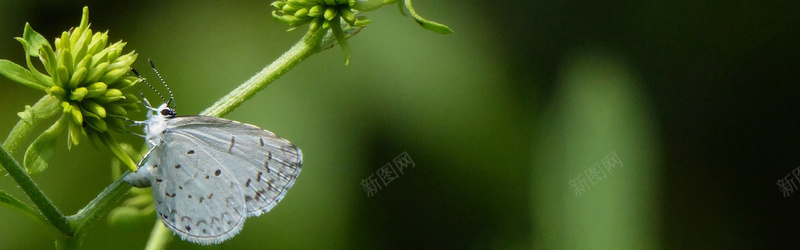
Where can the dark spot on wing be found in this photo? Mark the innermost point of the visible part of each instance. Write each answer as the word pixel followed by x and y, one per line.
pixel 155 166
pixel 188 228
pixel 189 196
pixel 180 187
pixel 233 141
pixel 209 195
pixel 216 173
pixel 178 166
pixel 190 152
pixel 169 195
pixel 159 180
pixel 248 198
pixel 206 177
pixel 201 199
pixel 247 184
pixel 269 155
pixel 260 195
pixel 262 141
pixel 258 178
pixel 266 166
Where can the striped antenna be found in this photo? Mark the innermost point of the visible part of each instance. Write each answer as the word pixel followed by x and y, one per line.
pixel 171 97
pixel 148 84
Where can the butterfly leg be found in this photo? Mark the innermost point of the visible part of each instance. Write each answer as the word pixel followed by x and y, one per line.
pixel 146 103
pixel 141 178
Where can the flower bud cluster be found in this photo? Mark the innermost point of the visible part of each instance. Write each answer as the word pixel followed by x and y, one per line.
pixel 88 78
pixel 317 13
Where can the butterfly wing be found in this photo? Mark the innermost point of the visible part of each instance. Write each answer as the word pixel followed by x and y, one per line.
pixel 264 165
pixel 195 194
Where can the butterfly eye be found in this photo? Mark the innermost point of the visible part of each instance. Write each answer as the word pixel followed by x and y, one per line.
pixel 167 112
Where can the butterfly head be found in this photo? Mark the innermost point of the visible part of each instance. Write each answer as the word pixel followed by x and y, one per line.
pixel 166 111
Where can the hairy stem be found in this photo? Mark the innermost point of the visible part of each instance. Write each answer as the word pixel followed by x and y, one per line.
pixel 38 197
pixel 43 109
pixel 307 45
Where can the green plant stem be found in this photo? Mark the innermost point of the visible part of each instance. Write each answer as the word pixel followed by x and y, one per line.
pixel 38 197
pixel 68 243
pixel 307 45
pixel 43 109
pixel 159 237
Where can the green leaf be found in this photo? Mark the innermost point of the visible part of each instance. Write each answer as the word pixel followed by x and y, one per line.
pixel 34 39
pixel 428 25
pixel 39 112
pixel 328 41
pixel 113 145
pixel 42 77
pixel 41 151
pixel 18 74
pixel 9 201
pixel 49 58
pixel 336 29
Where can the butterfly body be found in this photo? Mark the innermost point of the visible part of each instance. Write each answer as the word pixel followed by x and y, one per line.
pixel 209 174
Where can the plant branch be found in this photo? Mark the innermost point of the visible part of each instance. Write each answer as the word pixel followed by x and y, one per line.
pixel 307 45
pixel 36 195
pixel 43 109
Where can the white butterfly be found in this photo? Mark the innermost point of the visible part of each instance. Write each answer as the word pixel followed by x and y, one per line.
pixel 209 174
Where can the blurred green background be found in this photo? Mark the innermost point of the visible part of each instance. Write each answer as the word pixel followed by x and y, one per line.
pixel 698 99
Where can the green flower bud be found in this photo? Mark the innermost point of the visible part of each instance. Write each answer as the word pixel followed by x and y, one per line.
pixel 347 15
pixel 78 94
pixel 125 82
pixel 63 42
pixel 95 122
pixel 330 13
pixel 107 99
pixel 99 42
pixel 77 77
pixel 63 76
pixel 96 89
pixel 75 112
pixel 74 134
pixel 114 75
pixel 115 50
pixel 96 72
pixel 113 93
pixel 316 11
pixel 57 91
pixel 316 24
pixel 123 62
pixel 115 109
pixel 289 8
pixel 115 124
pixel 94 108
pixel 84 63
pixel 82 43
pixel 65 59
pixel 301 12
pixel 101 57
